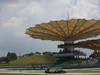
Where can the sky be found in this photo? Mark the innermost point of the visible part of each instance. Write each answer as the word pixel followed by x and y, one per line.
pixel 18 15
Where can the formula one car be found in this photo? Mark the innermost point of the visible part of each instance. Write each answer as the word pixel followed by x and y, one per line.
pixel 54 71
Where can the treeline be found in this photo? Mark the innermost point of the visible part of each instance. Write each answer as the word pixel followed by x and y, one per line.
pixel 39 53
pixel 10 57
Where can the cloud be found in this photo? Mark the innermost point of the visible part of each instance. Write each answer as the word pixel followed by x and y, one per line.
pixel 40 11
pixel 88 9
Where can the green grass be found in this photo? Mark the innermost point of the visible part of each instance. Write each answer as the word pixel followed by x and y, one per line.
pixel 35 59
pixel 21 74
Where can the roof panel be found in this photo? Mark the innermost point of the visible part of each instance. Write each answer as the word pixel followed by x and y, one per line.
pixel 64 30
pixel 91 44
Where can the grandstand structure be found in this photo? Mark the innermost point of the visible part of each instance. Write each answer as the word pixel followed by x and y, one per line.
pixel 68 31
pixel 90 44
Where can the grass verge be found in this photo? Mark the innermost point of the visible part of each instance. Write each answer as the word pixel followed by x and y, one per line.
pixel 20 74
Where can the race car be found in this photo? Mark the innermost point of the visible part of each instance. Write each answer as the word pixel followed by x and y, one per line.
pixel 54 71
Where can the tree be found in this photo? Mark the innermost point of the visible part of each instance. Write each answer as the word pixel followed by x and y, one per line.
pixel 38 53
pixel 4 60
pixel 12 56
pixel 29 54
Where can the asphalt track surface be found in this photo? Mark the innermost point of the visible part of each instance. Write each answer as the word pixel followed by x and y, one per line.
pixel 41 72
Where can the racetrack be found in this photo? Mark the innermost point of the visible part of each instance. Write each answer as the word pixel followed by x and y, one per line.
pixel 88 71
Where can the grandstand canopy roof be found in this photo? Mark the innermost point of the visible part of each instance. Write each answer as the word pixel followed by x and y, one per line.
pixel 65 30
pixel 91 44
